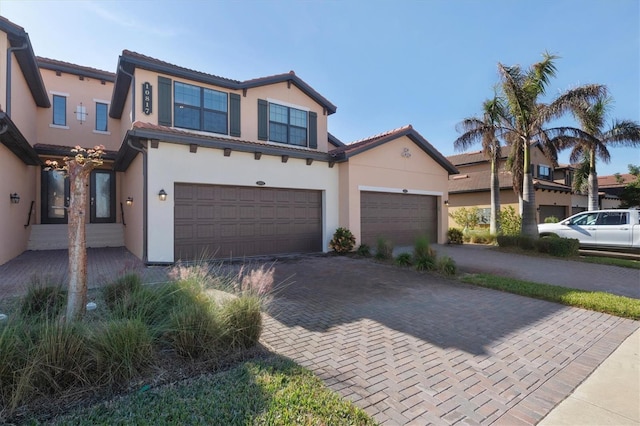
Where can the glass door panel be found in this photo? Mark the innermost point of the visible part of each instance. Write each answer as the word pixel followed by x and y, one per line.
pixel 55 196
pixel 103 194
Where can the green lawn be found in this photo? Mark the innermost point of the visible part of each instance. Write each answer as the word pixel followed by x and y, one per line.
pixel 269 391
pixel 621 306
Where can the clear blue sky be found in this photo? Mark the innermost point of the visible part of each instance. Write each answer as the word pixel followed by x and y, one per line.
pixel 383 63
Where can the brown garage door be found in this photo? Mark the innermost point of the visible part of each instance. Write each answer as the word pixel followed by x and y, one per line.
pixel 234 221
pixel 400 218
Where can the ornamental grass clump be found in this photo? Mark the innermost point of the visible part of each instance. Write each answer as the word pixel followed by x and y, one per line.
pixel 384 249
pixel 43 301
pixel 363 250
pixel 241 321
pixel 404 259
pixel 424 257
pixel 343 241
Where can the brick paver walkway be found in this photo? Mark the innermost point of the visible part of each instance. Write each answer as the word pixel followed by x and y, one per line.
pixel 413 348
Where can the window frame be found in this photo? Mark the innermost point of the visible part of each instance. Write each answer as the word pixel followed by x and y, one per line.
pixel 200 109
pixel 106 117
pixel 288 124
pixel 55 109
pixel 545 176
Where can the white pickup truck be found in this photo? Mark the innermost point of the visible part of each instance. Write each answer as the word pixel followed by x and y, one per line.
pixel 600 228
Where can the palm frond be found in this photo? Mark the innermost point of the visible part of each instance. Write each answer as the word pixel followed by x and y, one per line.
pixel 623 133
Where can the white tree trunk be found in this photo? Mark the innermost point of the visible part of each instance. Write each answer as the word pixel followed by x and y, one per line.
pixel 494 225
pixel 529 219
pixel 77 288
pixel 594 203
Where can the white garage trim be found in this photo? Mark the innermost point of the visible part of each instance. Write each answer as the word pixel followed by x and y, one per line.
pixel 399 190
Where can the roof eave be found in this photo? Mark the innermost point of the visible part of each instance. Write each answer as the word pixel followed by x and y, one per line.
pixel 13 139
pixel 28 65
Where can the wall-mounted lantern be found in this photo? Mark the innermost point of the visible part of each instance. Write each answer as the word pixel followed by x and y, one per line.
pixel 129 201
pixel 15 198
pixel 446 202
pixel 162 195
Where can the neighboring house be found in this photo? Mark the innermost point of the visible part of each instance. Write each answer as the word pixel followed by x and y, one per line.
pixel 471 188
pixel 198 165
pixel 610 187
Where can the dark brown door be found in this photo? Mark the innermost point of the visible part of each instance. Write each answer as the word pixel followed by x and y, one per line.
pixel 235 221
pixel 55 196
pixel 399 218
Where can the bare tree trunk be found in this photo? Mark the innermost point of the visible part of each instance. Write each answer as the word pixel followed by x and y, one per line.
pixel 77 297
pixel 494 225
pixel 529 220
pixel 593 183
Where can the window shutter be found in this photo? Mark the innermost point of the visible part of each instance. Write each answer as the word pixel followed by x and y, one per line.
pixel 263 120
pixel 313 130
pixel 234 114
pixel 164 101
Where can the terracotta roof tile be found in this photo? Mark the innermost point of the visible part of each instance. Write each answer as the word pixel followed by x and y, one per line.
pixel 54 63
pixel 610 181
pixel 361 143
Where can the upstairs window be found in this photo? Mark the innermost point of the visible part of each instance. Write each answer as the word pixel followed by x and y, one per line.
pixel 59 110
pixel 544 172
pixel 287 125
pixel 101 116
pixel 199 108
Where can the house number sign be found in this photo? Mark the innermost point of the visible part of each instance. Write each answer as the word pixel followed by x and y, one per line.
pixel 146 97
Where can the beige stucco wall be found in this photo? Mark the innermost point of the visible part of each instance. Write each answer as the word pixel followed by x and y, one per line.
pixel 278 93
pixel 15 177
pixel 385 169
pixel 171 163
pixel 88 92
pixel 131 185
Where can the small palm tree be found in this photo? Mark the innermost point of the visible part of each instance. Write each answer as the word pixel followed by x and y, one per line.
pixel 594 142
pixel 474 129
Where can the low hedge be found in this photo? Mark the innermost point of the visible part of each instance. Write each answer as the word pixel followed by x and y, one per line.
pixel 554 246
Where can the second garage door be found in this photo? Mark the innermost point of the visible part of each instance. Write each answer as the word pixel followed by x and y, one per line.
pixel 400 218
pixel 234 221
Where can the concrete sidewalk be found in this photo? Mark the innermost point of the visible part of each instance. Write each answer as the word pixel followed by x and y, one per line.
pixel 610 396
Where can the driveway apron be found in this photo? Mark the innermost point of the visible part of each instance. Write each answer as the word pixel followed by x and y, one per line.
pixel 417 348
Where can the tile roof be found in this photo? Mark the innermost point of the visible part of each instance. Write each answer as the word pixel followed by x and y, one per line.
pixel 481 181
pixel 610 181
pixel 344 152
pixel 474 157
pixel 68 67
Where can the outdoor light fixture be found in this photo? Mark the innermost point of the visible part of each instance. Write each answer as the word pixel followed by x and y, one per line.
pixel 129 201
pixel 162 195
pixel 446 202
pixel 15 198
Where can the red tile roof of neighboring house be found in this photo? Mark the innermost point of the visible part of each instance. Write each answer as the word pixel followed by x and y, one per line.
pixel 55 65
pixel 481 181
pixel 611 181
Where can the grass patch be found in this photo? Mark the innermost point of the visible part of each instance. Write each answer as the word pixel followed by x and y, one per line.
pixel 598 301
pixel 271 391
pixel 625 263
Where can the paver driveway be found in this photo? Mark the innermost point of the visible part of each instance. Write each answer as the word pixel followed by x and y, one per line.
pixel 415 348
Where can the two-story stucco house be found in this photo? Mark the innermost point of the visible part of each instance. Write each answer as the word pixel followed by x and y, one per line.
pixel 198 165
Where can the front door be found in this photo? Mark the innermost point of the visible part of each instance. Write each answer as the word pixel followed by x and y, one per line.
pixel 103 196
pixel 55 196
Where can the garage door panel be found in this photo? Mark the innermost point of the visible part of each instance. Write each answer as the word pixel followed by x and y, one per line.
pixel 400 218
pixel 241 221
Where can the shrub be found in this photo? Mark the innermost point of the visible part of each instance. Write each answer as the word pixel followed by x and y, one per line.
pixel 364 250
pixel 510 221
pixel 551 219
pixel 384 249
pixel 14 347
pixel 559 247
pixel 343 241
pixel 480 237
pixel 241 319
pixel 426 263
pixel 467 218
pixel 193 330
pixel 43 301
pixel 257 281
pixel 121 349
pixel 522 241
pixel 421 248
pixel 121 289
pixel 454 236
pixel 446 265
pixel 403 259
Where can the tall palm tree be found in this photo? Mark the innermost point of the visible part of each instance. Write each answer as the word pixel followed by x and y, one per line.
pixel 595 140
pixel 524 124
pixel 474 129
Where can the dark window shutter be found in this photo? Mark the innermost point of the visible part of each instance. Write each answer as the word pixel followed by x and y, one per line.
pixel 234 114
pixel 313 130
pixel 164 101
pixel 263 120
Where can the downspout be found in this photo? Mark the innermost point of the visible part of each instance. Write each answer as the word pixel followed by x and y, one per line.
pixel 9 52
pixel 144 198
